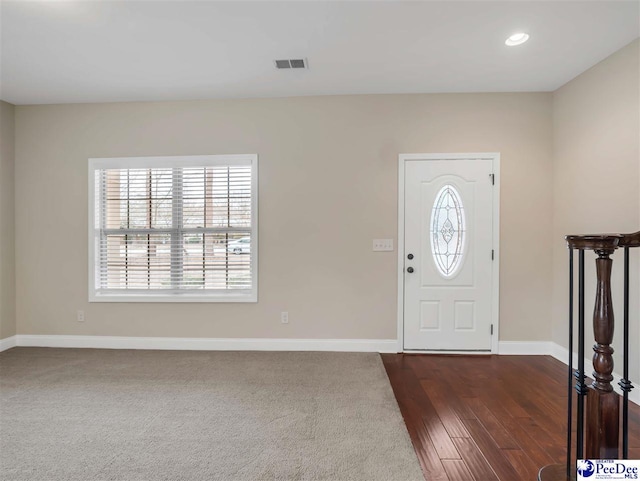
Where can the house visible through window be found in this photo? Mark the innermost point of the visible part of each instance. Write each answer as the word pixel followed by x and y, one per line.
pixel 173 229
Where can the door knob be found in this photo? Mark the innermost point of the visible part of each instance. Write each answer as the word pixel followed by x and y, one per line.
pixel 409 270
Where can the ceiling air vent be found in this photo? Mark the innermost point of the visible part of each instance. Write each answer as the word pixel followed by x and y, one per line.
pixel 292 63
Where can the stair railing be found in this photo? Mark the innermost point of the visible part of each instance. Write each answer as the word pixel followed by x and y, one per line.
pixel 597 427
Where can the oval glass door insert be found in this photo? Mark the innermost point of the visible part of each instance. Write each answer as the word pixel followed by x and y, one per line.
pixel 448 231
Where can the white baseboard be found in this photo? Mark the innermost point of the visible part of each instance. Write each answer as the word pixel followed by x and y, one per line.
pixel 524 348
pixel 208 344
pixel 562 355
pixel 8 343
pixel 455 353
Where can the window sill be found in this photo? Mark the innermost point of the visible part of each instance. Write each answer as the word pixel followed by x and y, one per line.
pixel 174 297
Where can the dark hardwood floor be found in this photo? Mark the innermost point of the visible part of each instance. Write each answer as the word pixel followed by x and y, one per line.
pixel 486 418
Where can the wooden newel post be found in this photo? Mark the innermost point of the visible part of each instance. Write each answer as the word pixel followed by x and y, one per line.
pixel 602 427
pixel 602 417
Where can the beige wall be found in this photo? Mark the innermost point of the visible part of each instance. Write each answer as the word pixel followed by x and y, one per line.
pixel 328 186
pixel 7 237
pixel 596 130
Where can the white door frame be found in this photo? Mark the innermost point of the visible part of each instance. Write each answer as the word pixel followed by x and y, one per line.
pixel 495 301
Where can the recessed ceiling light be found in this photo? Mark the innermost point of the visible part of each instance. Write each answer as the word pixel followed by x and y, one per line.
pixel 516 39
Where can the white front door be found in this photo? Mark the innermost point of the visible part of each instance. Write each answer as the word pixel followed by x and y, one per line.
pixel 449 253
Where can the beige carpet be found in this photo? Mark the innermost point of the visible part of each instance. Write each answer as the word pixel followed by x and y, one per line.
pixel 80 414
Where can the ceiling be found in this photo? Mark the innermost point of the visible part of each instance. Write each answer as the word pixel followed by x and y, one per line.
pixel 108 51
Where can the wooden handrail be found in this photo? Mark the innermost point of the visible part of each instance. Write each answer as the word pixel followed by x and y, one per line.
pixel 630 240
pixel 603 241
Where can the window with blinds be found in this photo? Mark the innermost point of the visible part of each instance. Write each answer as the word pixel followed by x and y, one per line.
pixel 173 229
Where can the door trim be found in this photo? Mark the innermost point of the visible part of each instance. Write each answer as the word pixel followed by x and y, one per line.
pixel 495 297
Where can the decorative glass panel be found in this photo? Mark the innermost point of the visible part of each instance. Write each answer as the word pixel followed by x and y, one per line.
pixel 447 231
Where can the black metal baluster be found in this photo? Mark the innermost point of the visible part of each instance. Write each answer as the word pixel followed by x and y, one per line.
pixel 625 383
pixel 570 386
pixel 581 387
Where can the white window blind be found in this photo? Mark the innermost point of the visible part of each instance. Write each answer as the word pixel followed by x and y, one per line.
pixel 173 229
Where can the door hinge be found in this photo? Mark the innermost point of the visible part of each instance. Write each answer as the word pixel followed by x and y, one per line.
pixel 493 179
pixel 492 329
pixel 492 254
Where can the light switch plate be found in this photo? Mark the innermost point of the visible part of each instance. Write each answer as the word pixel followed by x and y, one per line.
pixel 382 245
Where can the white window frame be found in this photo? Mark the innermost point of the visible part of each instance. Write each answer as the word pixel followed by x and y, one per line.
pixel 220 295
